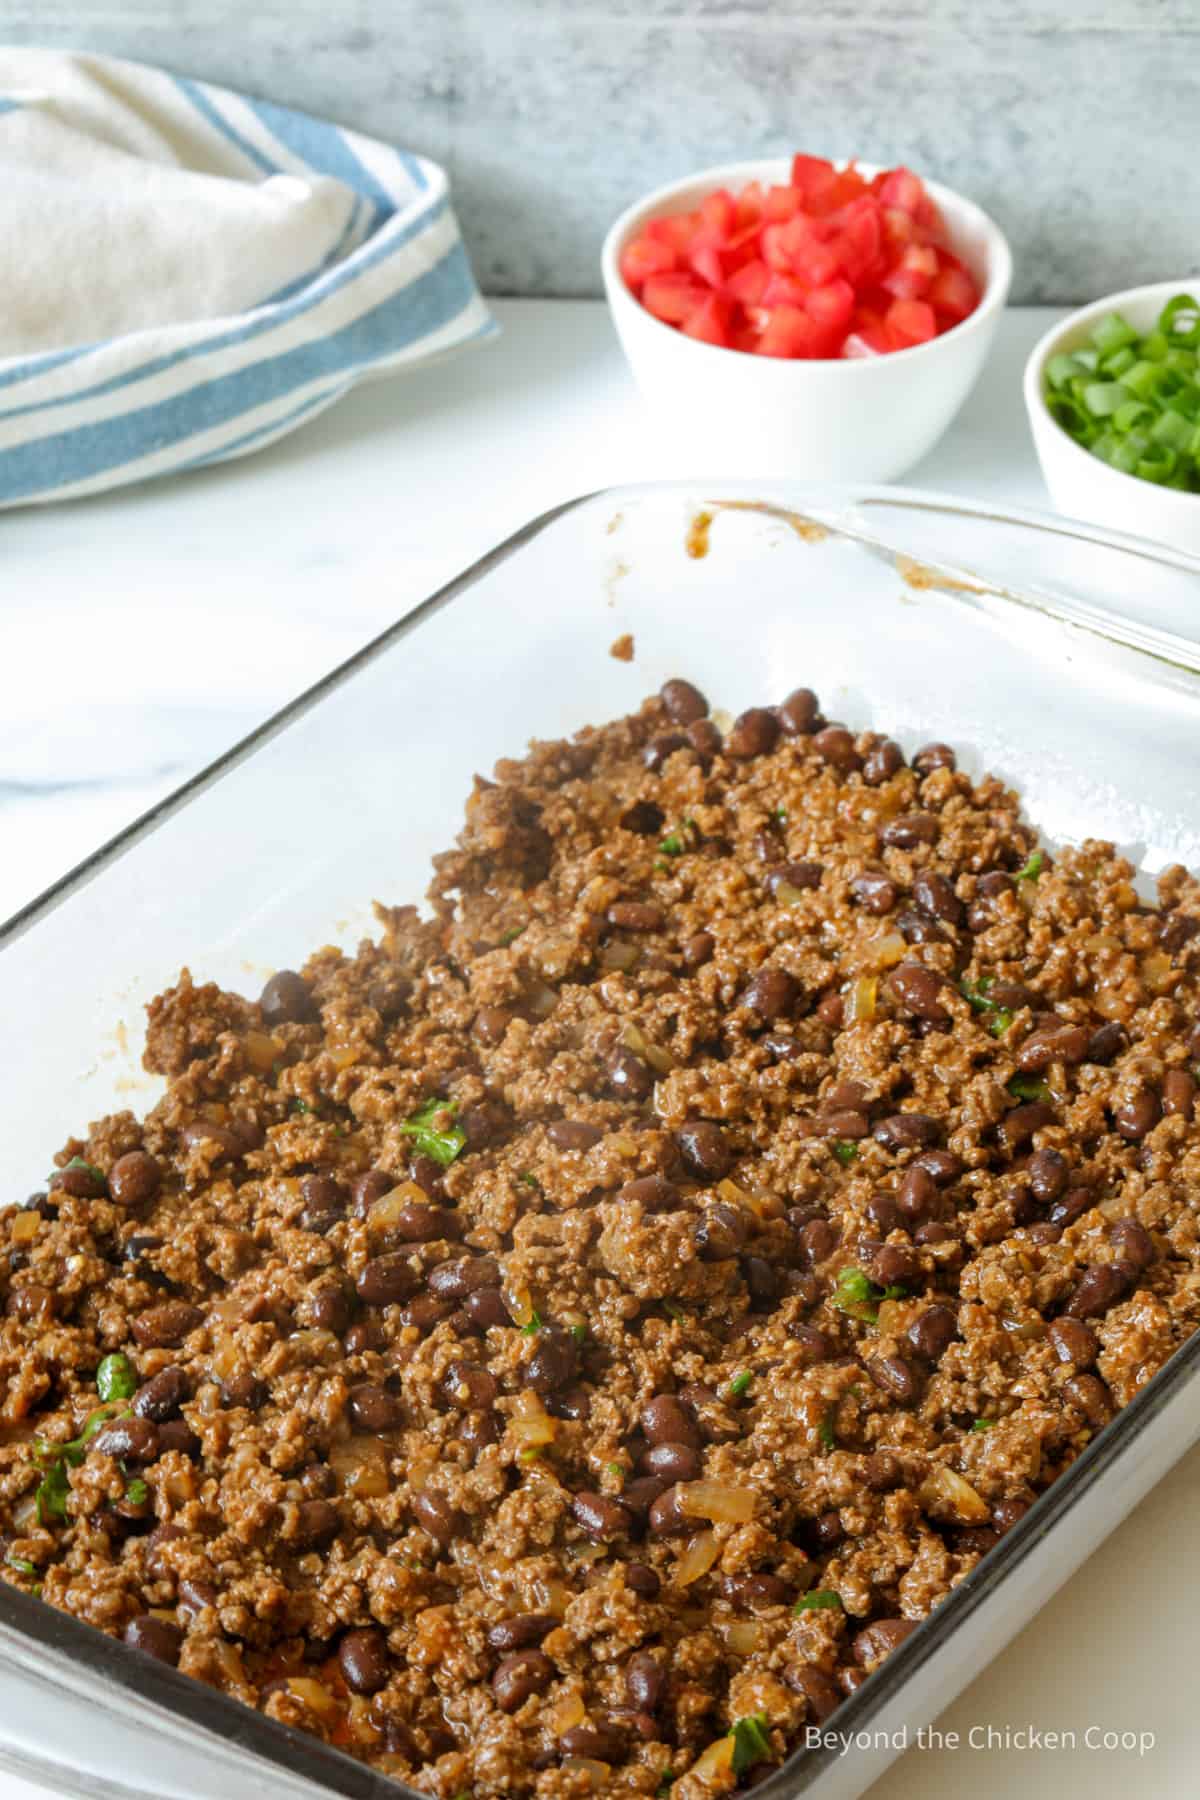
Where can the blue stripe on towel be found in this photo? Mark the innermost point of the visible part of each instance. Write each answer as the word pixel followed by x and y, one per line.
pixel 193 91
pixel 323 148
pixel 257 324
pixel 87 451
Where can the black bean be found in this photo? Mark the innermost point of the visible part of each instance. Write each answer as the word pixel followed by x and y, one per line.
pixel 194 1596
pixel 131 1439
pixel 1105 1043
pixel 674 1462
pixel 895 1377
pixel 910 830
pixel 772 993
pixel 177 1434
pixel 884 761
pixel 520 1676
pixel 435 1515
pixel 753 733
pixel 698 950
pixel 638 1496
pixel 555 1360
pixel 811 1339
pixel 935 895
pixel 760 1589
pixel 1178 929
pixel 470 1387
pixel 477 1431
pixel 464 1275
pixel 1053 1043
pixel 825 1531
pixel 704 1149
pixel 386 1280
pixel 155 1637
pixel 684 703
pixel 1132 1242
pixel 521 1632
pixel 372 1408
pixel 82 1182
pixel 934 1231
pixel 363 1660
pixel 1092 1398
pixel 818 1240
pixel 1178 1094
pixel 645 1678
pixel 916 988
pixel 628 1076
pixel 163 1327
pixel 316 1524
pixel 879 1639
pixel 705 740
pixel 422 1312
pixel 800 875
pixel 161 1397
pixel 221 1143
pixel 325 1202
pixel 573 1134
pixel 641 1579
pixel 486 1309
pixel 327 1308
pixel 835 745
pixel 667 1518
pixel 933 1332
pixel 891 1265
pixel 917 1194
pixel 427 1174
pixel 1099 1288
pixel 607 1743
pixel 720 1233
pixel 369 1187
pixel 661 748
pixel 1138 1115
pixel 798 714
pixel 665 1420
pixel 1017 1127
pixel 1074 1203
pixel 875 892
pixel 918 928
pixel 907 1131
pixel 933 756
pixel 1048 1175
pixel 764 1281
pixel 601 1517
pixel 653 1193
pixel 135 1179
pixel 287 1000
pixel 244 1390
pixel 881 1472
pixel 844 1123
pixel 1073 1342
pixel 819 1689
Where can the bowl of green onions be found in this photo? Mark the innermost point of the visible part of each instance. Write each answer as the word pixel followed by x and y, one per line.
pixel 1113 396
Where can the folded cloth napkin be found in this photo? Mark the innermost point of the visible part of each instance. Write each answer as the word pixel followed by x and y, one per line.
pixel 190 273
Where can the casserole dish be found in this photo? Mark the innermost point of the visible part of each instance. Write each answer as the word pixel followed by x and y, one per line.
pixel 1055 657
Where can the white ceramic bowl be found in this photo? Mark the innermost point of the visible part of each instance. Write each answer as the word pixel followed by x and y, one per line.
pixel 860 420
pixel 1080 483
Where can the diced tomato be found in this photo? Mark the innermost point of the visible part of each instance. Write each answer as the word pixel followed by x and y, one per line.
pixel 709 322
pixel 910 278
pixel 824 265
pixel 909 322
pixel 644 257
pixel 718 213
pixel 673 297
pixel 832 305
pixel 952 294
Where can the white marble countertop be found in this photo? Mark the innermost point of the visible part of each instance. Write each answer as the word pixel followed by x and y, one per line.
pixel 142 633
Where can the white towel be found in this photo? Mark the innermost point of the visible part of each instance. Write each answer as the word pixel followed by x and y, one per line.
pixel 189 273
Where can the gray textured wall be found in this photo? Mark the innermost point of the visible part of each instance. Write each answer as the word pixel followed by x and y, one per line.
pixel 1077 126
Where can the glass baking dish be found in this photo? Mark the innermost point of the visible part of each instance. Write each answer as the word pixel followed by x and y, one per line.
pixel 1065 661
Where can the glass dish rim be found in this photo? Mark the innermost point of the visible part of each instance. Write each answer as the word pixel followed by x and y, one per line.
pixel 104 1657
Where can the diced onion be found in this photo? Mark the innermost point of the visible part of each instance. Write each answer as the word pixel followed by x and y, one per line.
pixel 551 1597
pixel 698 1558
pixel 637 1042
pixel 25 1227
pixel 743 1636
pixel 787 895
pixel 343 1058
pixel 596 1772
pixel 619 956
pixel 859 1004
pixel 1157 973
pixel 944 1494
pixel 717 1760
pixel 313 1694
pixel 542 1001
pixel 229 1660
pixel 388 1209
pixel 261 1050
pixel 886 951
pixel 361 1465
pixel 718 1501
pixel 566 1712
pixel 732 1193
pixel 519 1302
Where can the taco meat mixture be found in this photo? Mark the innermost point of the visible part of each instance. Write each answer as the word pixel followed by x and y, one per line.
pixel 566 1346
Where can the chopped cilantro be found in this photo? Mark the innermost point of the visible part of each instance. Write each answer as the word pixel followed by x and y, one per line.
pixel 528 1456
pixel 818 1600
pixel 136 1491
pixel 983 1424
pixel 529 1181
pixel 859 1297
pixel 579 1333
pixel 617 1469
pixel 116 1378
pixel 1032 869
pixel 666 1782
pixel 845 1151
pixel 826 1432
pixel 509 937
pixel 52 1493
pixel 534 1325
pixel 79 1162
pixel 1028 1087
pixel 979 999
pixel 674 1312
pixel 299 1106
pixel 780 813
pixel 750 1742
pixel 676 841
pixel 739 1384
pixel 443 1144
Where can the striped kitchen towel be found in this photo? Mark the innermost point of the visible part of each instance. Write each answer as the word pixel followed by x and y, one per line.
pixel 191 273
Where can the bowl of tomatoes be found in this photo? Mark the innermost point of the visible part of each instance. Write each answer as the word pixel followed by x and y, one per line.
pixel 807 318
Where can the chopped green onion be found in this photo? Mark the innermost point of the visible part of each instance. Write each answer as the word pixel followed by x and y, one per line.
pixel 739 1384
pixel 534 1325
pixel 979 999
pixel 299 1106
pixel 845 1152
pixel 579 1333
pixel 1028 1087
pixel 442 1143
pixel 1130 399
pixel 1033 868
pixel 676 840
pixel 826 1432
pixel 509 937
pixel 983 1424
pixel 750 1742
pixel 674 1312
pixel 22 1563
pixel 116 1378
pixel 617 1469
pixel 529 1181
pixel 52 1494
pixel 136 1491
pixel 818 1600
pixel 858 1297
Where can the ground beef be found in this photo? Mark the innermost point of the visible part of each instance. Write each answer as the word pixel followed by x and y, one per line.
pixel 570 1343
